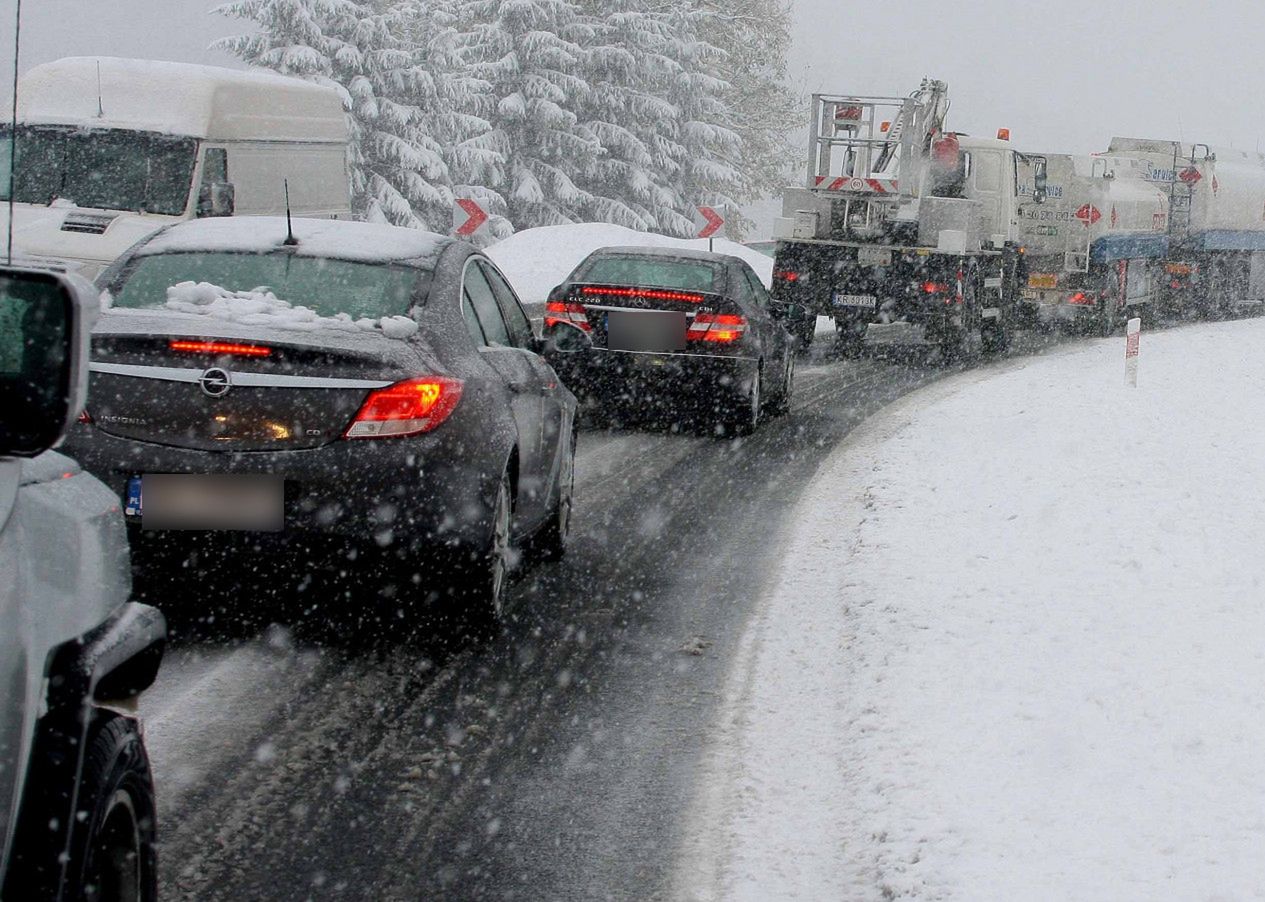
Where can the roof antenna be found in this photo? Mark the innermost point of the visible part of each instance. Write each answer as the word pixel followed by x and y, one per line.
pixel 290 241
pixel 100 108
pixel 13 134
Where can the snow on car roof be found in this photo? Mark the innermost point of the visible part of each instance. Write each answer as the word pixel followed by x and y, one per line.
pixel 180 99
pixel 537 260
pixel 330 238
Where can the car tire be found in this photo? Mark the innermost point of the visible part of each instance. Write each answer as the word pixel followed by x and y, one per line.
pixel 487 573
pixel 115 859
pixel 551 544
pixel 744 417
pixel 782 406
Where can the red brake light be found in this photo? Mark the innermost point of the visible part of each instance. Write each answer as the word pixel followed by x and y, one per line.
pixel 1080 298
pixel 786 275
pixel 934 287
pixel 406 408
pixel 653 294
pixel 570 313
pixel 220 348
pixel 722 327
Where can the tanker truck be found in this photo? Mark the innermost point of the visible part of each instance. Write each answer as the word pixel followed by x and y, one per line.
pixel 910 234
pixel 1216 259
pixel 1094 234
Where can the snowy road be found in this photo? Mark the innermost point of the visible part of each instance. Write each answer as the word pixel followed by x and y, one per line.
pixel 557 762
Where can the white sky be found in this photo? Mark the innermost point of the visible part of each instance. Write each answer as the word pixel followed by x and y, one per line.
pixel 1063 75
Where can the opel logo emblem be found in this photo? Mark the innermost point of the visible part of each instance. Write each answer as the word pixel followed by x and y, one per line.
pixel 215 382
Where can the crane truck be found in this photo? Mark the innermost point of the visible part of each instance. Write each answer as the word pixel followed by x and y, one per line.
pixel 910 234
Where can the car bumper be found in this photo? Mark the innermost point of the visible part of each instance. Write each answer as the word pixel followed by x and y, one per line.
pixel 610 375
pixel 410 492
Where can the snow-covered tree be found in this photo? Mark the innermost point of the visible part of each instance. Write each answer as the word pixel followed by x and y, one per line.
pixel 526 166
pixel 393 65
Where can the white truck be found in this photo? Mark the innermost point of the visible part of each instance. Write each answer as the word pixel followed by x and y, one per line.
pixel 111 150
pixel 911 234
pixel 76 796
pixel 1094 234
pixel 1216 259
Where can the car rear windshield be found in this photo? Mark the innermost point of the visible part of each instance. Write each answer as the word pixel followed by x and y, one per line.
pixel 653 272
pixel 328 287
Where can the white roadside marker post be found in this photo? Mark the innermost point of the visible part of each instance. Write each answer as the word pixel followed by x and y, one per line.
pixel 1132 344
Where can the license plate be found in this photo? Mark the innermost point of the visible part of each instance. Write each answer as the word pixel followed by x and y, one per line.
pixel 855 300
pixel 254 503
pixel 1043 280
pixel 874 256
pixel 645 330
pixel 1029 295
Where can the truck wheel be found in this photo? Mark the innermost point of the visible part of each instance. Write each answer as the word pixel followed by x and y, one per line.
pixel 1107 317
pixel 114 858
pixel 996 335
pixel 804 333
pixel 849 340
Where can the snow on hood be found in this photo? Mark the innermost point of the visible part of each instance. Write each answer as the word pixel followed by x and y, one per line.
pixel 360 242
pixel 538 260
pixel 37 232
pixel 261 307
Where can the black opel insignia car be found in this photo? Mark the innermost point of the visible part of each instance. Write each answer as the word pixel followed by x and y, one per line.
pixel 375 384
pixel 696 328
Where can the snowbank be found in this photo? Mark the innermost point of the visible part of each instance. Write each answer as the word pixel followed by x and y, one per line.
pixel 538 260
pixel 1017 647
pixel 261 307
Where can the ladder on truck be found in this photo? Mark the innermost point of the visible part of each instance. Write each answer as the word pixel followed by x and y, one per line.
pixel 1181 190
pixel 1077 249
pixel 867 151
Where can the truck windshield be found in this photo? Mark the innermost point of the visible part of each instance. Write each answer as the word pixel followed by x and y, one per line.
pixel 328 287
pixel 103 169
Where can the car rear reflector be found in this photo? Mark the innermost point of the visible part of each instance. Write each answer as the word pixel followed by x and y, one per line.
pixel 569 313
pixel 406 408
pixel 722 327
pixel 650 294
pixel 220 348
pixel 1081 299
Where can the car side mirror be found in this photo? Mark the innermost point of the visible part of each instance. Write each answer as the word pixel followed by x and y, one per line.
pixel 217 199
pixel 46 319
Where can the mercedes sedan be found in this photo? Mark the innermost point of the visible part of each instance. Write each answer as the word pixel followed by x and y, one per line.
pixel 375 385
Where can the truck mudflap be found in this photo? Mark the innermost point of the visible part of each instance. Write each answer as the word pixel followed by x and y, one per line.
pixel 102 670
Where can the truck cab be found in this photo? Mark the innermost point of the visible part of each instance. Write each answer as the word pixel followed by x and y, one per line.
pixel 76 797
pixel 111 150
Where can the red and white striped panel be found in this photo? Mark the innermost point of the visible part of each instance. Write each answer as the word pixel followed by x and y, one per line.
pixel 849 183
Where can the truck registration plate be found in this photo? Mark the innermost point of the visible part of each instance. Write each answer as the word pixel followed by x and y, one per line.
pixel 854 300
pixel 874 256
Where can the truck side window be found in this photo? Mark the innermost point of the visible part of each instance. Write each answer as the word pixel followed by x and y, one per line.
pixel 214 165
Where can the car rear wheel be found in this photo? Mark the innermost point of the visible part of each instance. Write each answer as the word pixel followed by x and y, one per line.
pixel 782 405
pixel 484 584
pixel 745 417
pixel 552 542
pixel 114 858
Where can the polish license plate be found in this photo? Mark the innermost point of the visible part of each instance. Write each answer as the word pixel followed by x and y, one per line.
pixel 855 300
pixel 874 256
pixel 254 503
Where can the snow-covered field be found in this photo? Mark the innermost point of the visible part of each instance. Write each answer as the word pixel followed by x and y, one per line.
pixel 1017 647
pixel 537 260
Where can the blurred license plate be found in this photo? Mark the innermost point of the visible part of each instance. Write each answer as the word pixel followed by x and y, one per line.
pixel 645 330
pixel 854 300
pixel 207 502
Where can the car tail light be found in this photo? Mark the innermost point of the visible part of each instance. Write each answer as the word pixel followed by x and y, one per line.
pixel 85 417
pixel 650 294
pixel 1081 299
pixel 935 288
pixel 722 327
pixel 406 408
pixel 786 275
pixel 220 348
pixel 570 313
